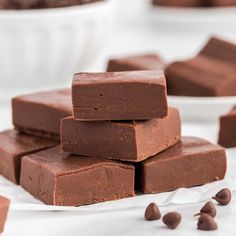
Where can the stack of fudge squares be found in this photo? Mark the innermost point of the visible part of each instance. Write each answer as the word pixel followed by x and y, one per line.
pixel 109 137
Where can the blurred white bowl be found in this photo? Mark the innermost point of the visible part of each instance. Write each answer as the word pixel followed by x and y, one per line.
pixel 43 48
pixel 194 20
pixel 207 109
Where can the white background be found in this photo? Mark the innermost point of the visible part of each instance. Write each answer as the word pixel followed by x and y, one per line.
pixel 132 36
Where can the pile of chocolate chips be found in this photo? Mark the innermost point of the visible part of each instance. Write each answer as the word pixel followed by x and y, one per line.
pixel 40 4
pixel 206 215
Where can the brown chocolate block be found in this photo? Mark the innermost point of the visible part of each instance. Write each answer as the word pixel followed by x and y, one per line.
pixel 38 4
pixel 130 141
pixel 61 179
pixel 227 134
pixel 210 73
pixel 223 3
pixel 66 3
pixel 13 147
pixel 132 95
pixel 140 62
pixel 40 113
pixel 4 207
pixel 193 161
pixel 179 3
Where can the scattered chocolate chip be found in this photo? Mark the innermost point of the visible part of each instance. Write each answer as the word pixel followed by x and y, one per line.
pixel 223 197
pixel 206 223
pixel 172 220
pixel 209 208
pixel 152 212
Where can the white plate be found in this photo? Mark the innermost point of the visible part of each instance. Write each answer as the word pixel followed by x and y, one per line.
pixel 194 20
pixel 202 108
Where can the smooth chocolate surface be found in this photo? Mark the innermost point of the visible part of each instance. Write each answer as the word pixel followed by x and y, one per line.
pixel 227 134
pixel 40 113
pixel 193 161
pixel 179 3
pixel 131 140
pixel 13 147
pixel 61 179
pixel 210 73
pixel 139 62
pixel 132 95
pixel 222 3
pixel 4 207
pixel 39 4
pixel 194 3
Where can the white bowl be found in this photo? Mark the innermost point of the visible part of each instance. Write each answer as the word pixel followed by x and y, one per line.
pixel 207 109
pixel 43 48
pixel 193 20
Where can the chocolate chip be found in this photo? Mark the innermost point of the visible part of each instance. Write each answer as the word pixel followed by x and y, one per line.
pixel 172 220
pixel 152 212
pixel 209 208
pixel 206 223
pixel 223 197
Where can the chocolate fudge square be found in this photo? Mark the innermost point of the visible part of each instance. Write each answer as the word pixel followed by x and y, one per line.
pixel 61 179
pixel 139 62
pixel 40 113
pixel 4 207
pixel 227 134
pixel 193 161
pixel 211 73
pixel 129 95
pixel 179 3
pixel 66 3
pixel 39 4
pixel 129 141
pixel 13 146
pixel 222 3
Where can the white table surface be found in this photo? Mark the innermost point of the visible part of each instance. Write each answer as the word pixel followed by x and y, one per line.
pixel 124 39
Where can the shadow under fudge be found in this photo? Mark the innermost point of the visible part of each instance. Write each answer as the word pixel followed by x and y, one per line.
pixel 211 73
pixel 40 114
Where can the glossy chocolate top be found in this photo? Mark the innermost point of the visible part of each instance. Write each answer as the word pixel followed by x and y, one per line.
pixel 139 62
pixel 57 99
pixel 156 77
pixel 187 146
pixel 13 143
pixel 39 4
pixel 61 163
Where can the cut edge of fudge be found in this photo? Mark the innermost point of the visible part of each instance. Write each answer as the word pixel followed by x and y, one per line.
pixel 130 95
pixel 227 130
pixel 4 208
pixel 39 113
pixel 131 141
pixel 177 3
pixel 187 72
pixel 135 62
pixel 226 51
pixel 12 161
pixel 53 186
pixel 173 160
pixel 37 133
